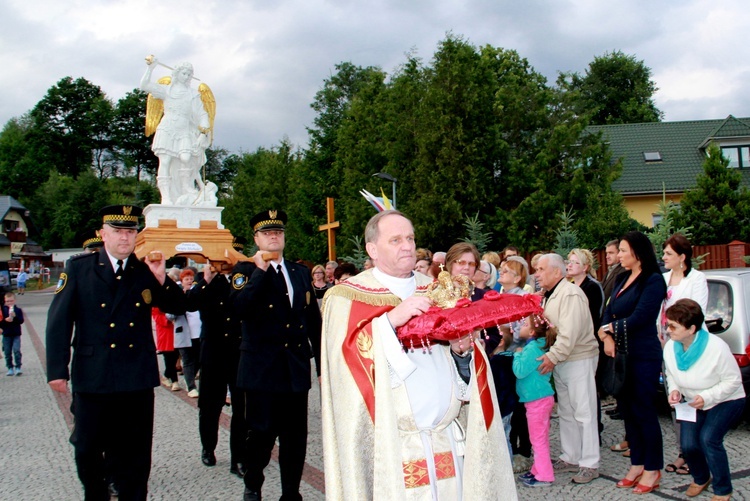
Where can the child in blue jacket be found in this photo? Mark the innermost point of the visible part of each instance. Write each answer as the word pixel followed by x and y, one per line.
pixel 535 391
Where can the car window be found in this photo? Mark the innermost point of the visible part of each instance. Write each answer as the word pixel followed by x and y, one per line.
pixel 720 310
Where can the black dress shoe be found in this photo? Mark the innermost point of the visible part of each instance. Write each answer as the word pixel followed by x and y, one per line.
pixel 113 492
pixel 208 458
pixel 238 469
pixel 611 411
pixel 616 416
pixel 249 495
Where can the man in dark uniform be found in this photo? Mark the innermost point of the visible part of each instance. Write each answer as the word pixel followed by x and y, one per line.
pixel 221 335
pixel 280 333
pixel 91 241
pixel 108 297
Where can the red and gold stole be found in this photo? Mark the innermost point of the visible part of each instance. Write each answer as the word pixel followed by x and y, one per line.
pixel 358 350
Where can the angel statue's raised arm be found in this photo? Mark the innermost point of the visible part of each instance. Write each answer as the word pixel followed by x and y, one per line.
pixel 181 119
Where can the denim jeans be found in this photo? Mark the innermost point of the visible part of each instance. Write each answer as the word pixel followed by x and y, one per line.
pixel 12 346
pixel 703 444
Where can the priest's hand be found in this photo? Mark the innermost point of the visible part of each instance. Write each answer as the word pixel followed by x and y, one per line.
pixel 410 307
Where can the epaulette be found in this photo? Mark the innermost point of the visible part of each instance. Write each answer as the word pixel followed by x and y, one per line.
pixel 83 255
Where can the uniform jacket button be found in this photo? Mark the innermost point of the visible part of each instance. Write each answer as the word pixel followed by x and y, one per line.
pixel 112 326
pixel 130 346
pixel 270 306
pixel 137 305
pixel 132 324
pixel 112 345
pixel 286 345
pixel 104 305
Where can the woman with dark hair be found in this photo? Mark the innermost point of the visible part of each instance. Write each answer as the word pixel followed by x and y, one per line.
pixel 682 282
pixel 701 370
pixel 629 323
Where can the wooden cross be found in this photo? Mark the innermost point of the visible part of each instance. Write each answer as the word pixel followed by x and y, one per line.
pixel 330 227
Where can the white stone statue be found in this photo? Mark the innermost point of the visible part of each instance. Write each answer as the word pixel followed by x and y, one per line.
pixel 182 119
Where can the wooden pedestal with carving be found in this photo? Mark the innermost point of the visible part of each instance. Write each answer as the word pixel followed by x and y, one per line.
pixel 207 242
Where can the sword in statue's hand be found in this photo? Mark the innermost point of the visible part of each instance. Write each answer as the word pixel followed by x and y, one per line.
pixel 152 59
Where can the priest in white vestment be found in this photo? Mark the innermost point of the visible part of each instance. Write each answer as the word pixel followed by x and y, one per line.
pixel 391 426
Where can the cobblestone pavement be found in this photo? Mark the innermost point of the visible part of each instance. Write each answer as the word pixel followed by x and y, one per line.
pixel 37 460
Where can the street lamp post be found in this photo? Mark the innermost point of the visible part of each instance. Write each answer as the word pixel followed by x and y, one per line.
pixel 388 177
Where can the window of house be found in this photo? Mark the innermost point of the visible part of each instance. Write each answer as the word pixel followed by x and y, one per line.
pixel 738 156
pixel 655 219
pixel 652 156
pixel 9 225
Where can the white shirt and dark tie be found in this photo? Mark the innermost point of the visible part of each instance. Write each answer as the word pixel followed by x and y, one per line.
pixel 118 265
pixel 279 267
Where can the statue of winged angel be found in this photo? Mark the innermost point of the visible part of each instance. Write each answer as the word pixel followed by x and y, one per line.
pixel 181 120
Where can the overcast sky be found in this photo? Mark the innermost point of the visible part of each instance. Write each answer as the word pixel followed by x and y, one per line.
pixel 265 60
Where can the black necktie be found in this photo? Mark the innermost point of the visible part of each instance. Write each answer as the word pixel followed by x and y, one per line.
pixel 118 273
pixel 283 280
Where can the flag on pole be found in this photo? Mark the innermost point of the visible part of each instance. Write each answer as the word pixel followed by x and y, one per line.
pixel 380 203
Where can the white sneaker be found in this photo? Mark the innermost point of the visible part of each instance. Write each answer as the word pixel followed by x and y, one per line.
pixel 176 386
pixel 193 393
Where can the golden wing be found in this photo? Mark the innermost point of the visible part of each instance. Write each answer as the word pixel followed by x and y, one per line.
pixel 155 109
pixel 209 104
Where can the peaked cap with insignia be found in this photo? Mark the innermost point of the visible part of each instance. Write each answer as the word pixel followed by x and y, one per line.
pixel 121 216
pixel 268 220
pixel 238 243
pixel 91 240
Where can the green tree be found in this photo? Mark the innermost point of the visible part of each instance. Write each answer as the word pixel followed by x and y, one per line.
pixel 717 209
pixel 615 89
pixel 474 131
pixel 566 237
pixel 20 171
pixel 262 183
pixel 475 233
pixel 68 206
pixel 131 146
pixel 71 126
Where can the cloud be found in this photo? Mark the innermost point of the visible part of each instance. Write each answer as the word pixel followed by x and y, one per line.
pixel 266 60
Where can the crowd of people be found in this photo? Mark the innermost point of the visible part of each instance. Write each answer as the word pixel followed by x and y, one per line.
pixel 395 420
